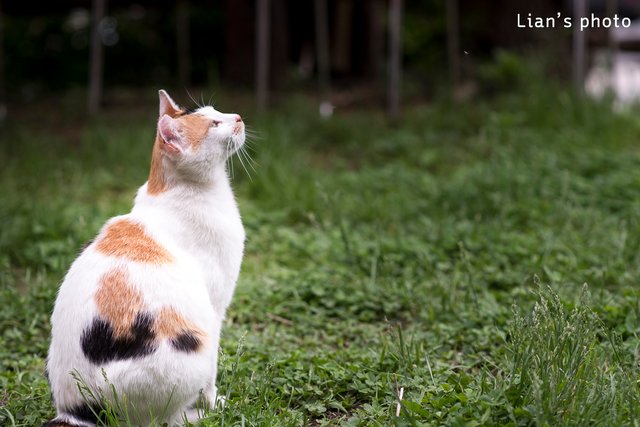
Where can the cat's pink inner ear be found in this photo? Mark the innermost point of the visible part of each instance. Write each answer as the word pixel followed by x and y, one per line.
pixel 167 105
pixel 167 127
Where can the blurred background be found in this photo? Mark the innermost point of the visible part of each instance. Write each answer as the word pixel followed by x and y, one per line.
pixel 418 176
pixel 346 52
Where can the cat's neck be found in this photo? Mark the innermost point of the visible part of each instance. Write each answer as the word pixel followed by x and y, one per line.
pixel 164 175
pixel 193 217
pixel 186 199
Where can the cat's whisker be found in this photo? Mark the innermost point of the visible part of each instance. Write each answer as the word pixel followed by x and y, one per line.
pixel 193 99
pixel 229 158
pixel 248 149
pixel 232 150
pixel 251 139
pixel 251 136
pixel 243 165
pixel 245 151
pixel 252 163
pixel 249 130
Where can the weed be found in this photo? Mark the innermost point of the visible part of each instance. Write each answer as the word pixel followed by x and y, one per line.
pixel 378 258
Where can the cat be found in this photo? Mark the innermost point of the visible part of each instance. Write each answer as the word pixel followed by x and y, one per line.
pixel 137 319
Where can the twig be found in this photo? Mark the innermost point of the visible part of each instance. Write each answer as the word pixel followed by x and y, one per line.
pixel 279 319
pixel 399 401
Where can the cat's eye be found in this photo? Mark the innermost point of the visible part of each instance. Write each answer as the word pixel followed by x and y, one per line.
pixel 215 123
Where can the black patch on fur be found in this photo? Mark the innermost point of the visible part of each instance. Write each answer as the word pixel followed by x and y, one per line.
pixel 100 345
pixel 81 412
pixel 56 423
pixel 186 342
pixel 84 412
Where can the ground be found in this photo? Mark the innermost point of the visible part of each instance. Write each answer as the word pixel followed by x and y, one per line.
pixel 484 258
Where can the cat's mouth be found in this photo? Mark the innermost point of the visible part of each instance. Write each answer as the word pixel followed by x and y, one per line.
pixel 238 129
pixel 237 135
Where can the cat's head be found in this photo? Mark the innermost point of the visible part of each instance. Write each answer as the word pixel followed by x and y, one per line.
pixel 193 144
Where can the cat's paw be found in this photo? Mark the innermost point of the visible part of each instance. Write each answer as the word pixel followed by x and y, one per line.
pixel 190 417
pixel 215 401
pixel 220 402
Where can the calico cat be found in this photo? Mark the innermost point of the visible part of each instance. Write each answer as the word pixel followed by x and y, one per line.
pixel 137 319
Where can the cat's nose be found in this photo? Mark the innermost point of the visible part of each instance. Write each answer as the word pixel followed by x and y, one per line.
pixel 238 118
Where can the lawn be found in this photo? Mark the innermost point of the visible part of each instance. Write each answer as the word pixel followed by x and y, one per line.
pixel 482 258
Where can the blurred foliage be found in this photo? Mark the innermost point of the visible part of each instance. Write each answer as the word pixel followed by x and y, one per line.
pixel 424 37
pixel 50 52
pixel 508 70
pixel 379 255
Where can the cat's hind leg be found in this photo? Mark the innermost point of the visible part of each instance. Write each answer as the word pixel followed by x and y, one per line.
pixel 63 422
pixel 68 420
pixel 190 415
pixel 206 401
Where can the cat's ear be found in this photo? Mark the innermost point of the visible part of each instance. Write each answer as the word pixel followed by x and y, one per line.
pixel 167 105
pixel 169 131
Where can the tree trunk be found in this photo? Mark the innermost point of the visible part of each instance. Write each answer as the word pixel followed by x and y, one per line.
pixel 3 94
pixel 453 42
pixel 262 52
pixel 240 36
pixel 342 33
pixel 612 9
pixel 96 60
pixel 322 47
pixel 182 39
pixel 395 57
pixel 579 45
pixel 279 66
pixel 376 40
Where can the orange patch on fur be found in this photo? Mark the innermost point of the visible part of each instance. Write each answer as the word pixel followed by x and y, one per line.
pixel 170 324
pixel 128 239
pixel 195 128
pixel 118 302
pixel 157 182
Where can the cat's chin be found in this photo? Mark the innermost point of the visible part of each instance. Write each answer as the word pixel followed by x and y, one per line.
pixel 237 141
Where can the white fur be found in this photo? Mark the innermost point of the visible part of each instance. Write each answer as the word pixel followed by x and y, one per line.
pixel 198 223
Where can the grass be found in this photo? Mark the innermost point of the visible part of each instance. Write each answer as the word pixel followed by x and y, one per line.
pixel 445 255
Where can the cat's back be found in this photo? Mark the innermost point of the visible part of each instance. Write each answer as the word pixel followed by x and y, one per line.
pixel 137 245
pixel 131 267
pixel 132 308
